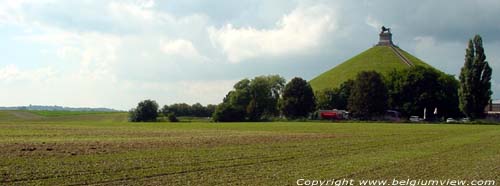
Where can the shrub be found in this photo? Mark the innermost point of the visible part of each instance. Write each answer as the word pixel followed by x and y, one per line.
pixel 172 118
pixel 146 111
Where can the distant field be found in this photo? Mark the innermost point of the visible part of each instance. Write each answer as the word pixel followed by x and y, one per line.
pixel 104 149
pixel 68 116
pixel 64 113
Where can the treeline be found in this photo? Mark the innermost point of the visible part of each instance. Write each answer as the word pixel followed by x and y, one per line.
pixel 367 97
pixel 409 91
pixel 148 111
pixel 184 109
pixel 264 98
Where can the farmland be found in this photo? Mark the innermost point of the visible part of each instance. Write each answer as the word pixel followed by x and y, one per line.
pixel 104 149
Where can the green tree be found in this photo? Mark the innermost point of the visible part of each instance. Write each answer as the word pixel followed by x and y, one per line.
pixel 298 99
pixel 146 111
pixel 336 98
pixel 264 93
pixel 165 110
pixel 226 112
pixel 475 80
pixel 368 97
pixel 197 110
pixel 183 109
pixel 413 89
pixel 256 98
pixel 209 110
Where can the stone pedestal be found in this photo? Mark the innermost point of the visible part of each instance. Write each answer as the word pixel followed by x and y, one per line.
pixel 385 39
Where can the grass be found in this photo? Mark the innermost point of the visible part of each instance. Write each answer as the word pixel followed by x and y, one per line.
pixel 64 113
pixel 63 116
pixel 108 152
pixel 378 58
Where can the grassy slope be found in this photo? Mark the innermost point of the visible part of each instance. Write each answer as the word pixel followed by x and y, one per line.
pixel 379 58
pixel 114 153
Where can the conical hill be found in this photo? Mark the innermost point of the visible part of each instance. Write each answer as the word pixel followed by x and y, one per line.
pixel 382 58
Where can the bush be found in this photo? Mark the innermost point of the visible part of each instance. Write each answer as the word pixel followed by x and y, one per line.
pixel 146 111
pixel 172 118
pixel 228 113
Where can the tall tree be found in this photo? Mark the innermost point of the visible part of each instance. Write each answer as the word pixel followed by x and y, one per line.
pixel 368 97
pixel 298 99
pixel 264 96
pixel 475 80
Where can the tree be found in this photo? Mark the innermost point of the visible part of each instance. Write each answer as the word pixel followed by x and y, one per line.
pixel 226 112
pixel 180 109
pixel 232 108
pixel 336 98
pixel 146 111
pixel 183 109
pixel 264 93
pixel 475 80
pixel 414 89
pixel 197 109
pixel 165 110
pixel 210 109
pixel 298 99
pixel 256 98
pixel 368 97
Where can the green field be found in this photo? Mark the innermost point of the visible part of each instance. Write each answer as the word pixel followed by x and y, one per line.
pixel 104 149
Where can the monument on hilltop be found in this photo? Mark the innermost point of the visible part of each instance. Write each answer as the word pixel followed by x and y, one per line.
pixel 385 37
pixel 384 58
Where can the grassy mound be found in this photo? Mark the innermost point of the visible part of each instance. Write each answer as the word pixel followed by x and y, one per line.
pixel 379 58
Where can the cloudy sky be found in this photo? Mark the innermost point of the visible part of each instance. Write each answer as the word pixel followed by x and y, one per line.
pixel 99 53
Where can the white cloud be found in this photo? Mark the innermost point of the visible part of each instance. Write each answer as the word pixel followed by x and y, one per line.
pixel 146 3
pixel 12 12
pixel 182 48
pixel 370 21
pixel 441 55
pixel 298 31
pixel 136 49
pixel 11 73
pixel 60 88
pixel 94 52
pixel 217 89
pixel 130 10
pixel 92 67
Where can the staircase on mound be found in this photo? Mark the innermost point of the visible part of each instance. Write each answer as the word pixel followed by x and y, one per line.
pixel 386 40
pixel 402 57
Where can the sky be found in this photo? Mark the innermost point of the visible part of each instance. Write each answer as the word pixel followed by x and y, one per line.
pixel 110 53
